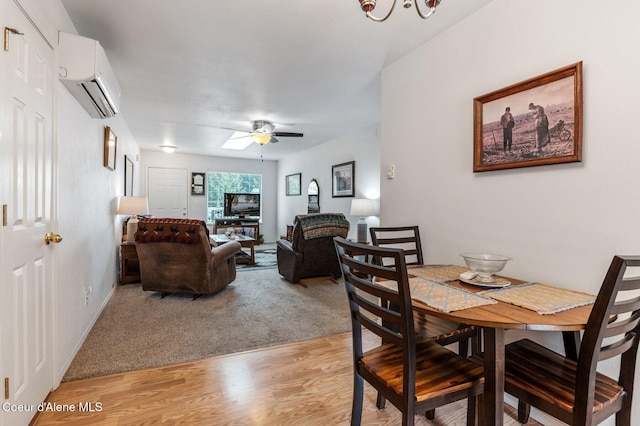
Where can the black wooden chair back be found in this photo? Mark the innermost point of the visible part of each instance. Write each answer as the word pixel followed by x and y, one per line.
pixel 430 374
pixel 404 237
pixel 575 392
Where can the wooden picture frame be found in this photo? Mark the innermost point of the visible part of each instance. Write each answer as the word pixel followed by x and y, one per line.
pixel 293 184
pixel 128 176
pixel 110 145
pixel 532 123
pixel 198 183
pixel 343 177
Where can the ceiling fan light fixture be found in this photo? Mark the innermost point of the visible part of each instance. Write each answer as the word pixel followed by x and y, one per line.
pixel 261 138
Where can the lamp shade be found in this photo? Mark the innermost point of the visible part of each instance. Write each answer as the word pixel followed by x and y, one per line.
pixel 133 205
pixel 363 207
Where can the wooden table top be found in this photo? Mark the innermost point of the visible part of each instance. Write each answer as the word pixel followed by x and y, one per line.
pixel 508 316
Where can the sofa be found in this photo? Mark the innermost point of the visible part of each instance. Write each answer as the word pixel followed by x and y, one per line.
pixel 176 257
pixel 310 251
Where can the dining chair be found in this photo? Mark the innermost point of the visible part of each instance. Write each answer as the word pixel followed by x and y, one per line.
pixel 574 391
pixel 442 331
pixel 415 374
pixel 404 237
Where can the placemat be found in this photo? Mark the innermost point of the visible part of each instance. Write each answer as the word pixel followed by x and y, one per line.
pixel 541 298
pixel 440 273
pixel 441 296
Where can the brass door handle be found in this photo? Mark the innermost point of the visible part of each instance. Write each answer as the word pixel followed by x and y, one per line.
pixel 51 237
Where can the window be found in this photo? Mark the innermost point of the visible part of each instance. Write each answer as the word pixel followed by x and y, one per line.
pixel 219 183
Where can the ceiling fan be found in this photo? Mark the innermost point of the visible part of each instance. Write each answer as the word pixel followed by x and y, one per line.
pixel 262 133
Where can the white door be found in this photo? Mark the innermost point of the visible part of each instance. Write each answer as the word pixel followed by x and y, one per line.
pixel 26 345
pixel 168 192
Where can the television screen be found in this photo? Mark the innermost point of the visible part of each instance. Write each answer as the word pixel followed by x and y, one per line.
pixel 241 204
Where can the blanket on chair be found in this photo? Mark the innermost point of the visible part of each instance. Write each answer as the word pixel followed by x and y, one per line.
pixel 323 225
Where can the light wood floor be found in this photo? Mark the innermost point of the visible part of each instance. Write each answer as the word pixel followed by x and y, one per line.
pixel 306 383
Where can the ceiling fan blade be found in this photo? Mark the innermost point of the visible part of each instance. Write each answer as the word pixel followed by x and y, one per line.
pixel 247 135
pixel 288 134
pixel 273 140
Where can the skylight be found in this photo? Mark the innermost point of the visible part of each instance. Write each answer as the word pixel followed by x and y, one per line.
pixel 238 141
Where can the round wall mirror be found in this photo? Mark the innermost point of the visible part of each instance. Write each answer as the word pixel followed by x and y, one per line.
pixel 313 193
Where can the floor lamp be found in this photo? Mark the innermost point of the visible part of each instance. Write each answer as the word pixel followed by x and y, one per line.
pixel 133 206
pixel 363 207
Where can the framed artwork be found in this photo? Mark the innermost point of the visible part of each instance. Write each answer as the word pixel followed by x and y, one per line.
pixel 293 184
pixel 532 123
pixel 110 143
pixel 197 183
pixel 343 179
pixel 128 177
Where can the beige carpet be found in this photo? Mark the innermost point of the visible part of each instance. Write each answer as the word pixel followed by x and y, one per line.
pixel 137 329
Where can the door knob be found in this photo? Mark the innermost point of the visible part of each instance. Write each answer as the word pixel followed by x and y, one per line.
pixel 51 237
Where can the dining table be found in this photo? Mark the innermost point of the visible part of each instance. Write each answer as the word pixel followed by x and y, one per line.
pixel 498 315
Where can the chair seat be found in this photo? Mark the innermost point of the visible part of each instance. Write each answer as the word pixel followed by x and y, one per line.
pixel 438 370
pixel 534 369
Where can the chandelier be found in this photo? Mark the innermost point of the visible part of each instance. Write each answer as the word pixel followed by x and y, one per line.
pixel 369 5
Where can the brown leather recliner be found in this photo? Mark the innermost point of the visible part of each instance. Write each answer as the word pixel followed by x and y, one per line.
pixel 176 257
pixel 311 252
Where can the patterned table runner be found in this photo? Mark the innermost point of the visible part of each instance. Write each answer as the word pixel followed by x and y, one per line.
pixel 541 298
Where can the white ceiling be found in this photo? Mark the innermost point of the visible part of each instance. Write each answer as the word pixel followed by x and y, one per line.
pixel 191 69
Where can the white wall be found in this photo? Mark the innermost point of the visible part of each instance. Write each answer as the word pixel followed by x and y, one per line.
pixel 362 146
pixel 561 224
pixel 87 202
pixel 203 163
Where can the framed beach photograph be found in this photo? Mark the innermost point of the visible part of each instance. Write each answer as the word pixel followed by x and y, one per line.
pixel 110 143
pixel 532 123
pixel 293 183
pixel 343 179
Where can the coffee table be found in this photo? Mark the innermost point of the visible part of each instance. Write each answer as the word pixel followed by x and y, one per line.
pixel 245 242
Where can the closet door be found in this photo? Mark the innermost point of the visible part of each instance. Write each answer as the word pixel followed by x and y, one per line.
pixel 168 192
pixel 27 273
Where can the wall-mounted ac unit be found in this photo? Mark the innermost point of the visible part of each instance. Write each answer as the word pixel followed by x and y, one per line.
pixel 85 71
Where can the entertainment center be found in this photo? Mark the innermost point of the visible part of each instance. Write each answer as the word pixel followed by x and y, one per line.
pixel 251 226
pixel 242 213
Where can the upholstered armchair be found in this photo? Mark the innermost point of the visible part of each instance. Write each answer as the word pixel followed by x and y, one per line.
pixel 176 257
pixel 310 252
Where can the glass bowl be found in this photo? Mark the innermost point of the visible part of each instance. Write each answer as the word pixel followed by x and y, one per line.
pixel 485 264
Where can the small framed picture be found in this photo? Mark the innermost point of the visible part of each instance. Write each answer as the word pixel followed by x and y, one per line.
pixel 532 123
pixel 128 176
pixel 110 143
pixel 343 179
pixel 197 183
pixel 293 184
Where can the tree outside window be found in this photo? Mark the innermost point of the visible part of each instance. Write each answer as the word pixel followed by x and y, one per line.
pixel 218 183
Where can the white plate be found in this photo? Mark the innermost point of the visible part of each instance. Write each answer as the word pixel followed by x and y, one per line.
pixel 498 283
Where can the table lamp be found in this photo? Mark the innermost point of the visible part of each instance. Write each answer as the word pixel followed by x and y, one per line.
pixel 363 207
pixel 133 206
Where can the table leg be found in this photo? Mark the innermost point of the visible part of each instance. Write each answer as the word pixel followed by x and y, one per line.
pixel 571 341
pixel 494 361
